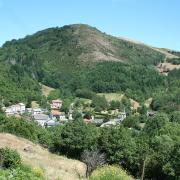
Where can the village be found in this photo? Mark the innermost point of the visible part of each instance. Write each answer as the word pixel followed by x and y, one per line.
pixel 53 116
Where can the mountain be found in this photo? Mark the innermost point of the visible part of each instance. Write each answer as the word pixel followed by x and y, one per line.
pixel 76 44
pixel 62 57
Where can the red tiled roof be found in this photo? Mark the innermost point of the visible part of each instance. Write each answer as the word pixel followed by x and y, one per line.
pixel 55 113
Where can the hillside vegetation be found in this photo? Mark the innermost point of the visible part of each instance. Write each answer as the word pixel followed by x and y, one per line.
pixel 37 157
pixel 155 146
pixel 57 57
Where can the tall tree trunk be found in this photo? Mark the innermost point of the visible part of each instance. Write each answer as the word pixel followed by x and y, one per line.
pixel 143 169
pixel 87 171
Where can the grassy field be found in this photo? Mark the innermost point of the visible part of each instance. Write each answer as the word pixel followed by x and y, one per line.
pixel 112 96
pixel 46 90
pixel 134 104
pixel 117 97
pixel 54 166
pixel 148 102
pixel 34 104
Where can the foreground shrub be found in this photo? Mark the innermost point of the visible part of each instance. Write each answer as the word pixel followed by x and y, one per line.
pixel 38 171
pixel 110 172
pixel 20 173
pixel 9 158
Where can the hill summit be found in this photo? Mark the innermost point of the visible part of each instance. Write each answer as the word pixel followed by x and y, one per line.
pixel 76 43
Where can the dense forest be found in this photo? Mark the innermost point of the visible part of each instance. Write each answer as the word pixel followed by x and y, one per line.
pixel 17 86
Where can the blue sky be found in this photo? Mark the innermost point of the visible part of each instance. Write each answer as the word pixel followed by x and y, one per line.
pixel 155 22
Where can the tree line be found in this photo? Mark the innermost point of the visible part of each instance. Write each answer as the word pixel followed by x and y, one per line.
pixel 153 149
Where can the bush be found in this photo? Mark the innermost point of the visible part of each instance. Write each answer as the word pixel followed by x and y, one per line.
pixel 109 172
pixel 99 103
pixel 38 171
pixel 85 93
pixel 175 61
pixel 20 173
pixel 9 158
pixel 115 105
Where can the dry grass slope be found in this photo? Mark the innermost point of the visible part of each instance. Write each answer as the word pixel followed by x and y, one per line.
pixel 163 51
pixel 112 96
pixel 55 167
pixel 46 90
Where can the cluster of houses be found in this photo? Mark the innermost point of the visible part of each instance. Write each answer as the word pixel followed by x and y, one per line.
pixel 19 108
pixel 52 117
pixel 42 116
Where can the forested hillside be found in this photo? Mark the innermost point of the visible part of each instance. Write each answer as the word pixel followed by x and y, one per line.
pixel 58 56
pixel 17 85
pixel 79 56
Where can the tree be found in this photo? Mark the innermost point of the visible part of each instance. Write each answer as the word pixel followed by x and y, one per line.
pixel 155 124
pixel 99 103
pixel 118 145
pixel 92 159
pixel 77 136
pixel 174 162
pixel 157 164
pixel 76 115
pixel 85 93
pixel 142 110
pixel 132 122
pixel 115 104
pixel 55 94
pixel 55 133
pixel 66 105
pixel 175 117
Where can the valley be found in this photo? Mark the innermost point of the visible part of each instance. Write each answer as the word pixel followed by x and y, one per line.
pixel 76 102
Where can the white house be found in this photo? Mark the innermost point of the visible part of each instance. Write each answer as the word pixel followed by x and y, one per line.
pixel 37 111
pixel 29 110
pixel 15 109
pixel 22 108
pixel 9 111
pixel 51 123
pixel 41 119
pixel 122 116
pixel 70 115
pixel 62 117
